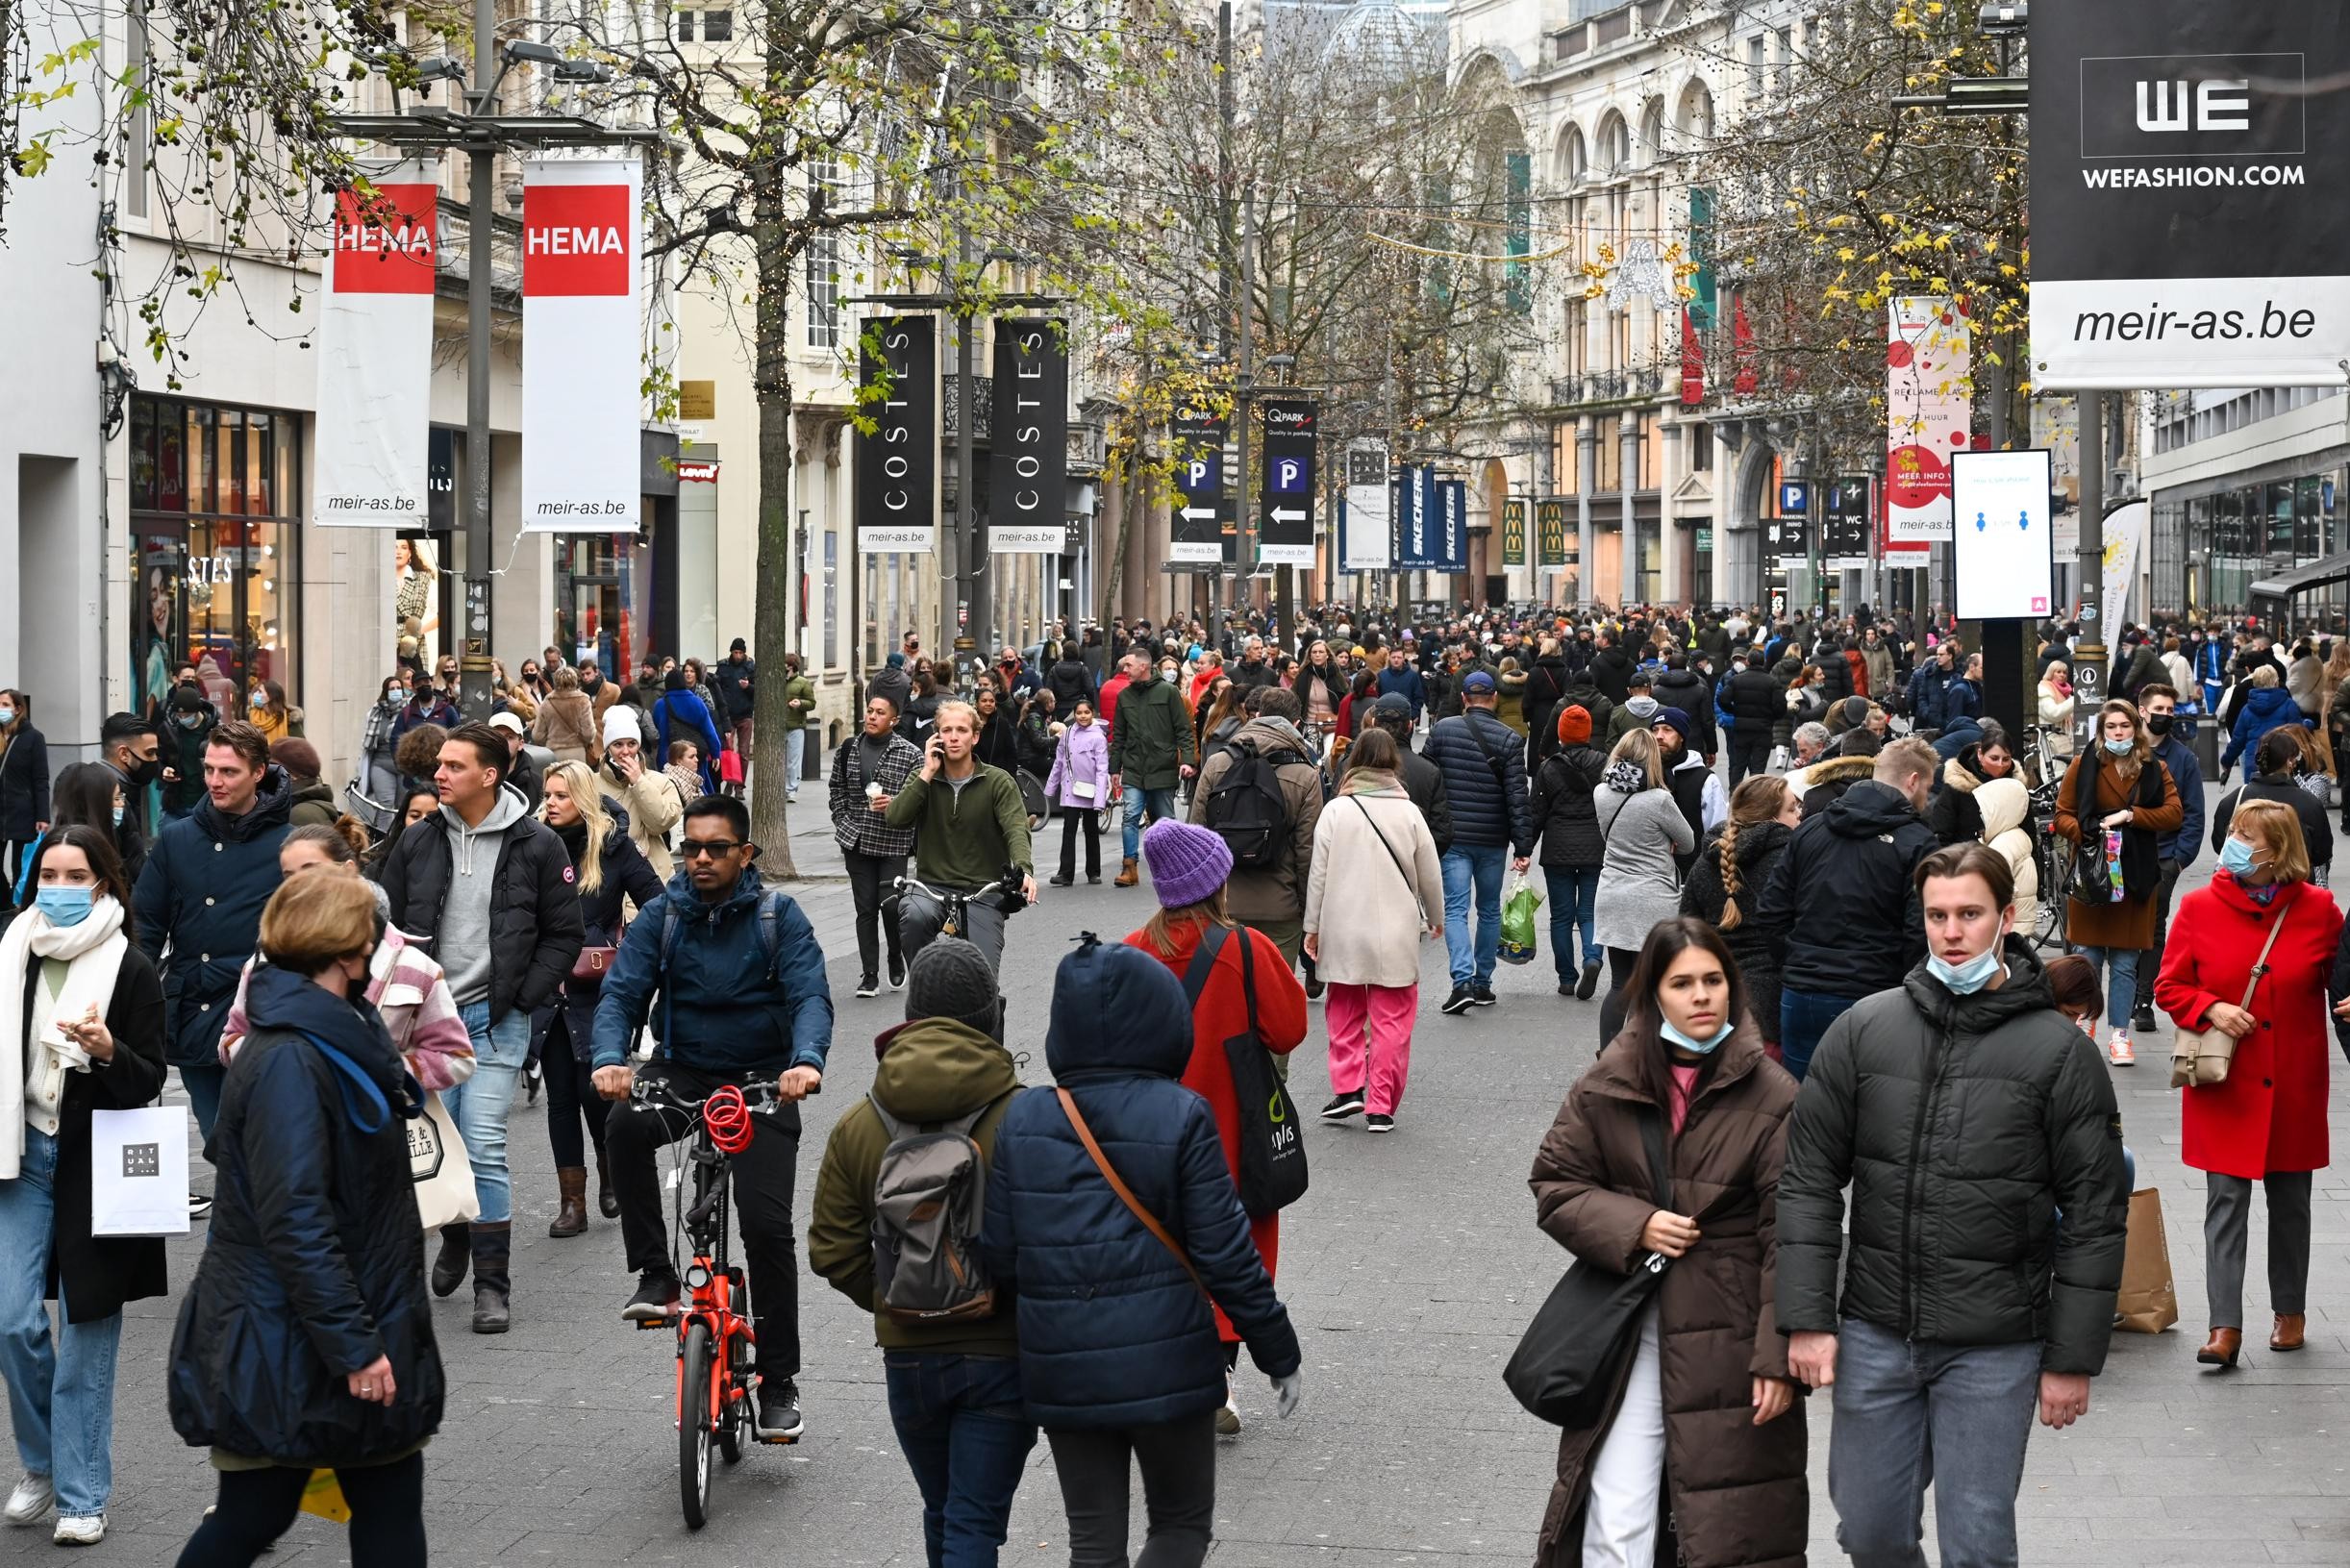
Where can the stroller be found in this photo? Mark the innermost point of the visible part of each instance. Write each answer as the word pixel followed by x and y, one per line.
pixel 377 817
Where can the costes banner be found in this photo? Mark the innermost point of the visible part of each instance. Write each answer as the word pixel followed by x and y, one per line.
pixel 1366 545
pixel 375 352
pixel 1928 394
pixel 2186 166
pixel 583 376
pixel 1028 504
pixel 896 461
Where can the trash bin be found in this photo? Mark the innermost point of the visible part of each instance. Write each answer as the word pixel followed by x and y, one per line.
pixel 2206 741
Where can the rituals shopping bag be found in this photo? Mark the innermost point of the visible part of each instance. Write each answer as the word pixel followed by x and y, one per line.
pixel 138 1172
pixel 2147 1302
pixel 436 1160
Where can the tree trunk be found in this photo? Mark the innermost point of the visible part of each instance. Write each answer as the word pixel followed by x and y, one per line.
pixel 777 576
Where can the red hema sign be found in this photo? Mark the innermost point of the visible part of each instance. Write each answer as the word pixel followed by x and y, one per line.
pixel 384 239
pixel 575 240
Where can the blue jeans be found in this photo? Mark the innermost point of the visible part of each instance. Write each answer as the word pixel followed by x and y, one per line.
pixel 1481 867
pixel 966 1440
pixel 61 1387
pixel 203 1082
pixel 795 744
pixel 479 1105
pixel 1804 1016
pixel 1158 803
pixel 1910 1414
pixel 1573 892
pixel 2119 967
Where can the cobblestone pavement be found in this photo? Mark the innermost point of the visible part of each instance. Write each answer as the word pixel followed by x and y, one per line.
pixel 1410 1268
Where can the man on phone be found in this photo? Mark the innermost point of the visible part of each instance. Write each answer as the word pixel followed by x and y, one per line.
pixel 972 828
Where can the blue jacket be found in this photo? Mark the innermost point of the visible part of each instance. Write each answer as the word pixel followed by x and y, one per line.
pixel 1406 683
pixel 201 896
pixel 1113 1331
pixel 2264 708
pixel 2212 672
pixel 681 710
pixel 1486 812
pixel 729 1005
pixel 1929 695
pixel 2187 772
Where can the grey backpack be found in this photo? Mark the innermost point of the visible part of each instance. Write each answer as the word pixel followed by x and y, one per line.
pixel 929 1198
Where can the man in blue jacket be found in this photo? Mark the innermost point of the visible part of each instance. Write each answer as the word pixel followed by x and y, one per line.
pixel 1485 778
pixel 739 977
pixel 1400 679
pixel 2157 704
pixel 1930 689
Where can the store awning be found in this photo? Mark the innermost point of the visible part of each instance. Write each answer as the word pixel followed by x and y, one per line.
pixel 2272 597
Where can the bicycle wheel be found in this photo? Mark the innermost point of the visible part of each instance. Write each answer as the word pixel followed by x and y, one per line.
pixel 693 1426
pixel 734 1401
pixel 2056 876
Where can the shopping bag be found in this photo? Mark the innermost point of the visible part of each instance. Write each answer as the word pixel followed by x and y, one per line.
pixel 322 1495
pixel 138 1172
pixel 1517 923
pixel 2147 1302
pixel 443 1175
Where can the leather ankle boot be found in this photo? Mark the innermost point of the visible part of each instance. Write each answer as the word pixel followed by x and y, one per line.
pixel 1128 874
pixel 449 1268
pixel 571 1211
pixel 492 1250
pixel 607 1201
pixel 2222 1348
pixel 2287 1333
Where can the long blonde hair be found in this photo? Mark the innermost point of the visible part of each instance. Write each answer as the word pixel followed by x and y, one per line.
pixel 1160 928
pixel 1640 748
pixel 1755 801
pixel 589 801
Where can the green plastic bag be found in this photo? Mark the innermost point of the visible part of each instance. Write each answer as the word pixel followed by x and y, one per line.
pixel 1517 923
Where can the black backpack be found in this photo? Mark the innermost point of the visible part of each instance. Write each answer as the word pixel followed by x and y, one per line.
pixel 1248 809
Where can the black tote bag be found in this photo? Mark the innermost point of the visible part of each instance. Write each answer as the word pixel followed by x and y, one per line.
pixel 1565 1368
pixel 1272 1144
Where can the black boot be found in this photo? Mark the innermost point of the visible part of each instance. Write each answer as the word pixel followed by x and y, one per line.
pixel 491 1249
pixel 449 1268
pixel 607 1201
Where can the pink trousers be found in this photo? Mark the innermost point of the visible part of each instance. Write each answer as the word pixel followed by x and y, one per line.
pixel 1370 1040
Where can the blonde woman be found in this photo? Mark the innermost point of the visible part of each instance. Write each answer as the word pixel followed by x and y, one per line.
pixel 1642 830
pixel 567 722
pixel 2055 706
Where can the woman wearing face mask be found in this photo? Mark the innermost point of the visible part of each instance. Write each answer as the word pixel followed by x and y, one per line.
pixel 89 794
pixel 2281 760
pixel 270 713
pixel 2264 1122
pixel 1688 1072
pixel 376 740
pixel 188 722
pixel 24 783
pixel 2117 786
pixel 83 1012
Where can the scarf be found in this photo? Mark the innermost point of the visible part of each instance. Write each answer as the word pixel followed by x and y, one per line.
pixel 93 953
pixel 1626 778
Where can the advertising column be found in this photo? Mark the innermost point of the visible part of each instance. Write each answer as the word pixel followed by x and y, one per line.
pixel 582 372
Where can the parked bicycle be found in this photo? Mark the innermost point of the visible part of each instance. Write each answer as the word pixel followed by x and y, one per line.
pixel 716 1383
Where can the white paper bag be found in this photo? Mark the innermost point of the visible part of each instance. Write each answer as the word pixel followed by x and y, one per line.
pixel 138 1172
pixel 444 1177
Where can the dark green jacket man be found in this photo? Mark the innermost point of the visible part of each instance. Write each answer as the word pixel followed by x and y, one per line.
pixel 1150 738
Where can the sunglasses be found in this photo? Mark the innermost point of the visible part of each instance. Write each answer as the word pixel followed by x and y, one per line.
pixel 699 849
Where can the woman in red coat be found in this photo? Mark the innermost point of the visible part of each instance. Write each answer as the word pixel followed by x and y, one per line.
pixel 1189 868
pixel 2266 1120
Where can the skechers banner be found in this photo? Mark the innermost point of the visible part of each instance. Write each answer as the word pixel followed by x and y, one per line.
pixel 583 376
pixel 375 352
pixel 1028 505
pixel 2188 163
pixel 897 460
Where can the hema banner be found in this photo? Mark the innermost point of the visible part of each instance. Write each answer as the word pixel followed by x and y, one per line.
pixel 375 352
pixel 582 363
pixel 2186 215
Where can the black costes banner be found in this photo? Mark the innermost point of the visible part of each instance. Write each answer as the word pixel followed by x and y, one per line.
pixel 2187 222
pixel 897 460
pixel 1028 505
pixel 1285 515
pixel 1197 532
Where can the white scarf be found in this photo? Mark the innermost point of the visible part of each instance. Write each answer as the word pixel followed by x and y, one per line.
pixel 92 952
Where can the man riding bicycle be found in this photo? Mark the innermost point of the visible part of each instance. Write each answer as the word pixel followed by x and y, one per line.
pixel 974 826
pixel 739 977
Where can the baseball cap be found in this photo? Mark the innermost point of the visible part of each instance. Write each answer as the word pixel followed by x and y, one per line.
pixel 505 721
pixel 1477 681
pixel 1394 705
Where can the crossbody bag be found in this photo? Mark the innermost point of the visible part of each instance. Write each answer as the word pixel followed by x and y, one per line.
pixel 1126 1194
pixel 2200 1057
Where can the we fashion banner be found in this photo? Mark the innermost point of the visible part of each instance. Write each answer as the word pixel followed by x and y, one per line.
pixel 1029 439
pixel 375 351
pixel 2187 222
pixel 895 464
pixel 1928 395
pixel 1285 512
pixel 1198 437
pixel 1366 543
pixel 582 375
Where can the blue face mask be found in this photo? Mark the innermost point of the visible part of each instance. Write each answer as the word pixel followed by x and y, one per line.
pixel 118 813
pixel 1703 1048
pixel 2122 748
pixel 63 905
pixel 1969 978
pixel 2236 858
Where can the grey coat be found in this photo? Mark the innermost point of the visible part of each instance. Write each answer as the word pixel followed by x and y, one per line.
pixel 1639 882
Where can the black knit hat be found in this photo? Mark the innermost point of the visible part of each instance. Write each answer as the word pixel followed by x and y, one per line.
pixel 950 979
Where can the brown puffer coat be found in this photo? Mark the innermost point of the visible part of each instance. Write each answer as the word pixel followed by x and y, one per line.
pixel 1738 1491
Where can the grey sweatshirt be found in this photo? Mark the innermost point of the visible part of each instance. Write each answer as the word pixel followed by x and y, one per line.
pixel 1639 883
pixel 463 942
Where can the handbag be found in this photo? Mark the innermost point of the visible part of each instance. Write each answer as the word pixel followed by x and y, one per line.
pixel 1567 1364
pixel 138 1172
pixel 1134 1204
pixel 437 1164
pixel 2202 1056
pixel 592 964
pixel 1272 1153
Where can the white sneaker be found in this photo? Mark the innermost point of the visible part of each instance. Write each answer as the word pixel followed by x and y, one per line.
pixel 80 1530
pixel 2119 1052
pixel 31 1499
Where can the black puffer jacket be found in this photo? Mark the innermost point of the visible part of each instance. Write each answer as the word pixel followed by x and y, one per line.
pixel 1686 690
pixel 1834 671
pixel 1706 892
pixel 1611 669
pixel 315 1263
pixel 1070 683
pixel 534 927
pixel 2316 833
pixel 625 873
pixel 201 895
pixel 1840 908
pixel 1963 1123
pixel 1562 807
pixel 1756 703
pixel 1485 780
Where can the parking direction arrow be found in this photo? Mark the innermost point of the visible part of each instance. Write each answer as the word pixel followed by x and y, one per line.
pixel 1198 514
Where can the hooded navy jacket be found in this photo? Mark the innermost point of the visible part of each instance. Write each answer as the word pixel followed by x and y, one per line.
pixel 1113 1331
pixel 199 904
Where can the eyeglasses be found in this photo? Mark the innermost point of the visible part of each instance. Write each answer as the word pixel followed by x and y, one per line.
pixel 696 849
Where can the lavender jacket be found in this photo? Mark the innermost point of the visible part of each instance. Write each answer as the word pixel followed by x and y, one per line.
pixel 1082 757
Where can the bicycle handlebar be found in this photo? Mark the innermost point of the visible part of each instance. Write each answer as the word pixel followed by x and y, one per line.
pixel 654 1094
pixel 912 884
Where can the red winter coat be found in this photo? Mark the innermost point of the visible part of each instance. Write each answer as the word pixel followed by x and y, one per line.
pixel 1223 1012
pixel 2270 1113
pixel 1859 671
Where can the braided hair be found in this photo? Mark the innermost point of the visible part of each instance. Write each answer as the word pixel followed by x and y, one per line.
pixel 1758 800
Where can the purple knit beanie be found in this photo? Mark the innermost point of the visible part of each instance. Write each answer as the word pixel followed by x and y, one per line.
pixel 1187 863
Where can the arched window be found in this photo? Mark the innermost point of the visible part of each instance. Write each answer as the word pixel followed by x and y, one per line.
pixel 1651 150
pixel 1614 146
pixel 1693 123
pixel 1572 168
